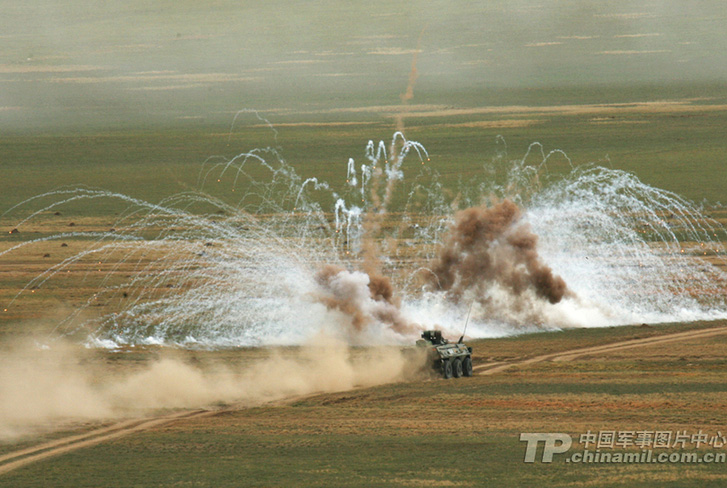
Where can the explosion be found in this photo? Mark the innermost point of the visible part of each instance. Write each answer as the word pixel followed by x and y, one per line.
pixel 365 298
pixel 490 247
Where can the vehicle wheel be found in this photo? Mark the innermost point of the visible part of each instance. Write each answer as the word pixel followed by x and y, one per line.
pixel 446 369
pixel 467 366
pixel 457 368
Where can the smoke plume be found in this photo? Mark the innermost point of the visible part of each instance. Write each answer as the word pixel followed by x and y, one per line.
pixel 366 298
pixel 490 247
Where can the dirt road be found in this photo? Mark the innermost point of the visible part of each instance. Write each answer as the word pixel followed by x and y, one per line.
pixel 20 458
pixel 492 368
pixel 23 457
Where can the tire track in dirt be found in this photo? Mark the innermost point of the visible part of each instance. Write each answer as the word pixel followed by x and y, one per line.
pixel 492 368
pixel 29 455
pixel 23 457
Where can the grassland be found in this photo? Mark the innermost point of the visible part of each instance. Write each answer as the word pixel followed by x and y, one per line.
pixel 421 433
pixel 671 139
pixel 436 432
pixel 132 98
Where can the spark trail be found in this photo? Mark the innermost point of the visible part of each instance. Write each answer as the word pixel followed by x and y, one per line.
pixel 294 257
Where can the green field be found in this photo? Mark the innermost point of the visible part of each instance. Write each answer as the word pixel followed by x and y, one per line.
pixel 435 432
pixel 675 146
pixel 421 433
pixel 143 102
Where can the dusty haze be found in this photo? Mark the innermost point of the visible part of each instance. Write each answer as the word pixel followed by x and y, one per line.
pixel 134 63
pixel 48 388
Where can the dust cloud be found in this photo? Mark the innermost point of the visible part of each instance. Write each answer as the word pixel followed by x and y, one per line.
pixel 366 298
pixel 48 388
pixel 492 248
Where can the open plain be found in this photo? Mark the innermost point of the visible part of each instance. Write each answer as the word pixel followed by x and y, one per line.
pixel 422 432
pixel 151 154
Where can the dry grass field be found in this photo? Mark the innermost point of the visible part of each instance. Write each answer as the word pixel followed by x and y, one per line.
pixel 406 431
pixel 428 431
pixel 130 130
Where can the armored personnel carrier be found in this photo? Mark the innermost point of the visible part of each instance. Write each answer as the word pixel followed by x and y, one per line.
pixel 449 359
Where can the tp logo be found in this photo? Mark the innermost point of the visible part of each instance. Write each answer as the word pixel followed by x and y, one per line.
pixel 554 444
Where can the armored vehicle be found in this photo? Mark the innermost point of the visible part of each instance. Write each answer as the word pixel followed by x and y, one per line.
pixel 449 359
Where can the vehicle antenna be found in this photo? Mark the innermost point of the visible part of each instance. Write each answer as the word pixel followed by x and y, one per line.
pixel 465 323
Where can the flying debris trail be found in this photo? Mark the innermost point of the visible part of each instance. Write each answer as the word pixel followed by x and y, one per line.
pixel 295 256
pixel 413 76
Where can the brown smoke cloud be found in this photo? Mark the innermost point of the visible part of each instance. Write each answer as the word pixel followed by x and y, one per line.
pixel 50 388
pixel 489 246
pixel 366 298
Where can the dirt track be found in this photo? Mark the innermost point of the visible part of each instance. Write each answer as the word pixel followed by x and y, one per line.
pixel 18 459
pixel 491 368
pixel 23 457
